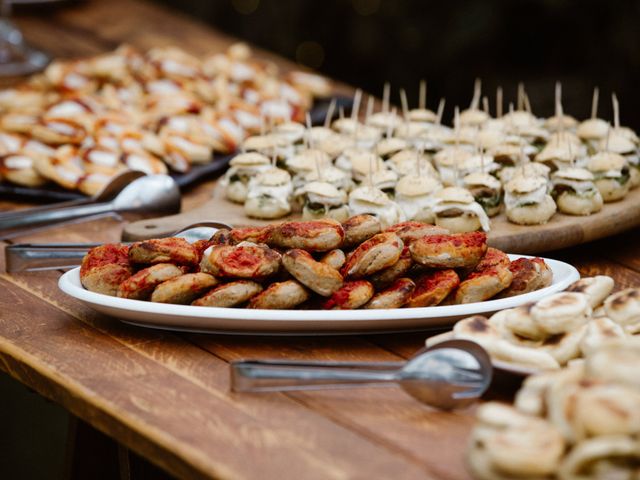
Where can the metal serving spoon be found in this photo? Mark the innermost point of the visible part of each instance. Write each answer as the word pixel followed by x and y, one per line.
pixel 449 375
pixel 26 257
pixel 145 196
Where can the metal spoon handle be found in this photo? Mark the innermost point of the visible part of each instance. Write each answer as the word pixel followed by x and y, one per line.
pixel 45 208
pixel 46 217
pixel 265 376
pixel 25 257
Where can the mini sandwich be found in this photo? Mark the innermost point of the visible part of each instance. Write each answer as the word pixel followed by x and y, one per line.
pixel 362 162
pixel 529 169
pixel 411 131
pixel 292 132
pixel 384 120
pixel 560 122
pixel 476 164
pixel 415 196
pixel 321 200
pixel 593 130
pixel 473 117
pixel 366 137
pixel 486 190
pixel 268 145
pixel 333 175
pixel 625 143
pixel 372 201
pixel 346 125
pixel 269 193
pixel 557 157
pixel 422 115
pixel 335 144
pixel 575 193
pixel 242 168
pixel 611 175
pixel 385 180
pixel 509 154
pixel 304 162
pixel 447 160
pixel 410 162
pixel 527 202
pixel 456 210
pixel 388 147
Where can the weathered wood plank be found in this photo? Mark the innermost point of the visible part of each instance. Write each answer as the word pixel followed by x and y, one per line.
pixel 112 377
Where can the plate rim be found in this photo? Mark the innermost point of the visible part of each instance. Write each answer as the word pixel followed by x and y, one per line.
pixel 319 320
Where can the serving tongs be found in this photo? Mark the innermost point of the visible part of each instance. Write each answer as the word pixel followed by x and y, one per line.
pixel 25 257
pixel 129 193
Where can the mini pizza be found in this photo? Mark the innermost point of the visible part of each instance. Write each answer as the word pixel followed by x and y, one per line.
pixel 313 236
pixel 140 285
pixel 334 258
pixel 529 274
pixel 280 296
pixel 394 296
pixel 359 228
pixel 184 289
pixel 317 276
pixel 483 284
pixel 410 231
pixel 433 287
pixel 371 256
pixel 387 276
pixel 250 234
pixel 232 294
pixel 254 262
pixel 104 268
pixel 460 250
pixel 350 296
pixel 164 250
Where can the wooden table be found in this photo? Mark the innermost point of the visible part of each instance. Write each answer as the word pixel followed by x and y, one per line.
pixel 166 396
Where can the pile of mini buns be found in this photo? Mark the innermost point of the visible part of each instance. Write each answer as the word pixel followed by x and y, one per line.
pixel 408 166
pixel 82 122
pixel 558 329
pixel 318 264
pixel 578 423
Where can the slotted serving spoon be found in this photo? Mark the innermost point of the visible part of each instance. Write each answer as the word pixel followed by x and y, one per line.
pixel 130 193
pixel 449 375
pixel 25 257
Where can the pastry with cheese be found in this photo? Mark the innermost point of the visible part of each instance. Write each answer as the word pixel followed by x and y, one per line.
pixel 527 202
pixel 456 210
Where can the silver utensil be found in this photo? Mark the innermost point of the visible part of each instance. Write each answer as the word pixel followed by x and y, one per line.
pixel 449 375
pixel 25 257
pixel 144 196
pixel 108 192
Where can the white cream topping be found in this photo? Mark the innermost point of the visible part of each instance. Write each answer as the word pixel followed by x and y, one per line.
pixel 473 207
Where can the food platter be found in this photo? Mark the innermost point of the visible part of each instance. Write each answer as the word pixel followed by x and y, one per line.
pixel 300 322
pixel 560 232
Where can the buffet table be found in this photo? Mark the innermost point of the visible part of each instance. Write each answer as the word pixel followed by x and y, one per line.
pixel 166 396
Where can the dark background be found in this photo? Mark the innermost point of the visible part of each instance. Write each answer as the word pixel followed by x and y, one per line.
pixel 449 43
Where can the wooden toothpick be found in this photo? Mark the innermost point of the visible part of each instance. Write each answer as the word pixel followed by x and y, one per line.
pixel 369 111
pixel 405 103
pixel 485 105
pixel 355 110
pixel 594 102
pixel 616 111
pixel 440 111
pixel 499 102
pixel 329 116
pixel 385 97
pixel 308 119
pixel 477 91
pixel 456 124
pixel 422 100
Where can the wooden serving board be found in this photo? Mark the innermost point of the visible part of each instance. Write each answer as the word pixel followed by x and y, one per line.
pixel 560 232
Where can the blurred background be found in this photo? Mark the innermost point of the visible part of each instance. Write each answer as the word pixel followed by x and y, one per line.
pixel 582 43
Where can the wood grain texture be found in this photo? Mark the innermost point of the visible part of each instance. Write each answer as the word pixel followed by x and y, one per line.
pixel 166 395
pixel 560 232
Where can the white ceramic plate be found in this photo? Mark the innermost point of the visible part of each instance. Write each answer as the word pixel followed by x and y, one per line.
pixel 300 322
